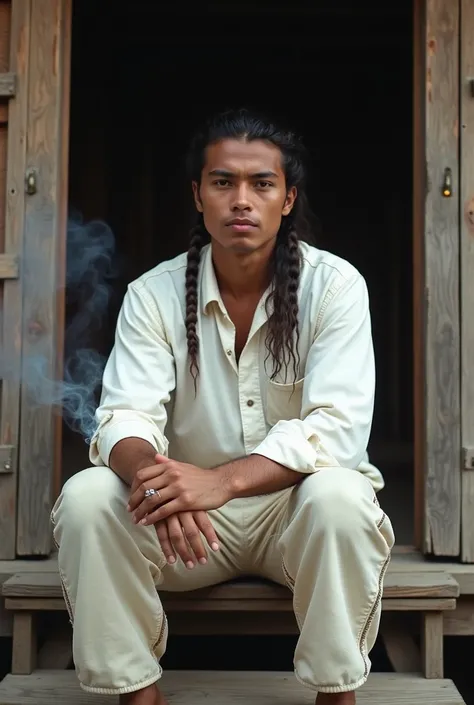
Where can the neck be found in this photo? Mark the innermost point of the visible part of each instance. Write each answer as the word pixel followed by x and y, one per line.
pixel 240 275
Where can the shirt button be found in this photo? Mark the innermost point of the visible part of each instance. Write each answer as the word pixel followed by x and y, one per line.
pixel 250 402
pixel 229 352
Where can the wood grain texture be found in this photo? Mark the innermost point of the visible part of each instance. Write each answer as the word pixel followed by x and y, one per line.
pixel 7 85
pixel 432 645
pixel 396 585
pixel 419 195
pixel 442 335
pixel 43 271
pixel 229 688
pixel 12 288
pixel 467 272
pixel 9 266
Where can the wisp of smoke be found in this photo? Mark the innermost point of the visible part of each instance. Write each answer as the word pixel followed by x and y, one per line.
pixel 90 255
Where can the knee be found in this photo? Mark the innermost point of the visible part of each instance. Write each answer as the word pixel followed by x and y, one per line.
pixel 88 496
pixel 340 500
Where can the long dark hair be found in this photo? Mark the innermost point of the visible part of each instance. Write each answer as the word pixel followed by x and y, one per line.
pixel 283 334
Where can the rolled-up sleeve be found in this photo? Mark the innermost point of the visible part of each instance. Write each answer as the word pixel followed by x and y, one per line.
pixel 138 379
pixel 337 393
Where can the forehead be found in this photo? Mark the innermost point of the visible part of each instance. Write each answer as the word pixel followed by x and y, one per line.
pixel 239 156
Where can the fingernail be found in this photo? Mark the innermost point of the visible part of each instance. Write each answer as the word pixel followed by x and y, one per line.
pixel 190 565
pixel 171 559
pixel 202 561
pixel 215 546
pixel 134 519
pixel 143 521
pixel 128 507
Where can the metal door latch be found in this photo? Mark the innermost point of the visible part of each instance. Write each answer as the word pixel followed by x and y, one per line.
pixel 31 182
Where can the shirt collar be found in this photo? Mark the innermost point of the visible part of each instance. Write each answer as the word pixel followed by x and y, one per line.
pixel 209 288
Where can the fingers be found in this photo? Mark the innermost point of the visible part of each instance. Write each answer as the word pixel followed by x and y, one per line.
pixel 147 478
pixel 193 536
pixel 205 525
pixel 177 538
pixel 141 505
pixel 173 506
pixel 165 542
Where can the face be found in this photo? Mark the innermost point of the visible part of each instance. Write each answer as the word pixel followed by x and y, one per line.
pixel 243 194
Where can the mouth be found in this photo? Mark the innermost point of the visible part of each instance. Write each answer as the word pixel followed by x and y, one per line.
pixel 241 225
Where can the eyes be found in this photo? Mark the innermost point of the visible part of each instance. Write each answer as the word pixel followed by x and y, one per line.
pixel 260 185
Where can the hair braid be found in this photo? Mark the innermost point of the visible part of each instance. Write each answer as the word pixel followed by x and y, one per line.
pixel 192 271
pixel 283 330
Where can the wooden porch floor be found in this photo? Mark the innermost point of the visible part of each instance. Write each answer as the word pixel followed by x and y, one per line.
pixel 229 688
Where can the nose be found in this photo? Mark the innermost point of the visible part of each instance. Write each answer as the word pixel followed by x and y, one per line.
pixel 241 198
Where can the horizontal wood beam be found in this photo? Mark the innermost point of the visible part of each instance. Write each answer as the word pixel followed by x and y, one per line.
pixel 9 267
pixel 7 85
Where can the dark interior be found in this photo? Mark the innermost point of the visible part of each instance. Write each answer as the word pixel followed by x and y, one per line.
pixel 340 72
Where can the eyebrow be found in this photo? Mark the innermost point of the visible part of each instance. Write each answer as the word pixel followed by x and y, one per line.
pixel 257 175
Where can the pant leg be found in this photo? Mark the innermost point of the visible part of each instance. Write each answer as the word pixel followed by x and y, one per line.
pixel 330 542
pixel 110 569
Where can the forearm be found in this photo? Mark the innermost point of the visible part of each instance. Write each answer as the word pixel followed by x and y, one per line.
pixel 255 474
pixel 130 455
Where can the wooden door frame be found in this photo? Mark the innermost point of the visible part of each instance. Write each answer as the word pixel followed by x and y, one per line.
pixel 43 268
pixel 437 392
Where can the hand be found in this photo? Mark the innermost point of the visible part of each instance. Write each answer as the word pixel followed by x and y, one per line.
pixel 180 487
pixel 182 532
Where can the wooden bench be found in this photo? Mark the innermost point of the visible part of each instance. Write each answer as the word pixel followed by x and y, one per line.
pixel 246 606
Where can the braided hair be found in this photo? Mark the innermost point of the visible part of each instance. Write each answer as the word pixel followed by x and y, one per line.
pixel 282 302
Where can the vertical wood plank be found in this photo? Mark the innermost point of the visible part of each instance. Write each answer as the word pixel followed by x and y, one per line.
pixel 24 651
pixel 43 270
pixel 467 272
pixel 419 195
pixel 432 644
pixel 442 327
pixel 12 295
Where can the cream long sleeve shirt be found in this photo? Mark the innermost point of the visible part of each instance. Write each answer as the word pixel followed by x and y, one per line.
pixel 148 391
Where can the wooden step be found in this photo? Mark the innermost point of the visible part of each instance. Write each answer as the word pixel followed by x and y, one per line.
pixel 229 688
pixel 402 591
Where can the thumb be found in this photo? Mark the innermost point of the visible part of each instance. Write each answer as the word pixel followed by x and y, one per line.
pixel 161 458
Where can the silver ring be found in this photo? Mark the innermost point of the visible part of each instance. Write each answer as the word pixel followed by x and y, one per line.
pixel 149 493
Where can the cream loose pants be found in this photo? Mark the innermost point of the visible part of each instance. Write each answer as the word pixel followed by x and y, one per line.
pixel 327 538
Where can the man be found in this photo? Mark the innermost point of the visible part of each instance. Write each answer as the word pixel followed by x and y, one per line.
pixel 236 410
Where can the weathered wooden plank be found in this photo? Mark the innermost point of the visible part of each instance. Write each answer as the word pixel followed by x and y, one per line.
pixel 43 270
pixel 7 85
pixel 396 585
pixel 24 643
pixel 229 687
pixel 9 266
pixel 467 272
pixel 5 49
pixel 418 219
pixel 442 337
pixel 432 645
pixel 460 622
pixel 12 295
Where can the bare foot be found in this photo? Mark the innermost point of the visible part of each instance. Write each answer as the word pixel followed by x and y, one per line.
pixel 336 698
pixel 147 696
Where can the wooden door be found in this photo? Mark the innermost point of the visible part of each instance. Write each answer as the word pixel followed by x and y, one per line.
pixel 33 322
pixel 437 271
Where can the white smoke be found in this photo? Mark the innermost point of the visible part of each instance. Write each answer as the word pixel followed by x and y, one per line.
pixel 90 270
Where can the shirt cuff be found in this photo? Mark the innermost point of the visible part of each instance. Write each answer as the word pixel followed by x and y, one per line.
pixel 109 433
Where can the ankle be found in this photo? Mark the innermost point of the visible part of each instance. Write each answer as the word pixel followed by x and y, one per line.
pixel 146 696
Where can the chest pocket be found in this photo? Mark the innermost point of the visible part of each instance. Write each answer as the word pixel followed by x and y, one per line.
pixel 284 401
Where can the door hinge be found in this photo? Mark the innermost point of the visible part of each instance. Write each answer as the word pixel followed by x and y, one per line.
pixel 6 459
pixel 468 458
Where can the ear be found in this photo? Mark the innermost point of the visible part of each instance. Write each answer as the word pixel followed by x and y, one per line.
pixel 197 198
pixel 289 201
